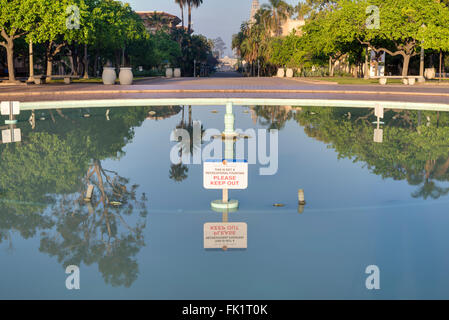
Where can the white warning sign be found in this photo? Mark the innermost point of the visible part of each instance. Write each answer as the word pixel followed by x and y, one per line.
pixel 226 174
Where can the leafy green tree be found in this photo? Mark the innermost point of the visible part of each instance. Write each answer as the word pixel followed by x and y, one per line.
pixel 53 30
pixel 17 18
pixel 288 51
pixel 404 26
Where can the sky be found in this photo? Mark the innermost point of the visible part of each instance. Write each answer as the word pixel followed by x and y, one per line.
pixel 215 18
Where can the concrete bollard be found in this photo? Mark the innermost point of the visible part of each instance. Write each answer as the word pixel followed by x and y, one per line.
pixel 90 189
pixel 301 199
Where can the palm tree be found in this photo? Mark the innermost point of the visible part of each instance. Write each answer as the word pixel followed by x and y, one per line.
pixel 302 10
pixel 279 13
pixel 158 21
pixel 181 4
pixel 192 4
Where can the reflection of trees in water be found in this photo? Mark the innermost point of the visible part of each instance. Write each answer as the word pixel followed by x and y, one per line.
pixel 413 150
pixel 43 181
pixel 178 172
pixel 274 117
pixel 98 231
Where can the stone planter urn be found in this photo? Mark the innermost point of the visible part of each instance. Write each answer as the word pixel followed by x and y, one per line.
pixel 383 81
pixel 430 73
pixel 281 73
pixel 411 81
pixel 177 73
pixel 169 72
pixel 126 76
pixel 289 73
pixel 109 75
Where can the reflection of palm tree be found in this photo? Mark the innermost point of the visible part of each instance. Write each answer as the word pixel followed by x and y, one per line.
pixel 430 189
pixel 433 170
pixel 178 172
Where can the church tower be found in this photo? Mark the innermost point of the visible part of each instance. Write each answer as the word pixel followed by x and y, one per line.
pixel 254 8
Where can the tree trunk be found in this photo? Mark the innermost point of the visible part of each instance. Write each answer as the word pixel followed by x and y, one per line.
pixel 96 65
pixel 49 68
pixel 182 15
pixel 332 67
pixel 406 64
pixel 72 64
pixel 366 74
pixel 86 63
pixel 421 63
pixel 10 55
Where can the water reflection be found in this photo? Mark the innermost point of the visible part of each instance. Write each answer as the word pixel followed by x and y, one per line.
pixel 43 182
pixel 408 150
pixel 44 178
pixel 97 232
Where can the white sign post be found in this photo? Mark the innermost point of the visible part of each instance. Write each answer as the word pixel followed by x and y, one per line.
pixel 10 107
pixel 226 174
pixel 379 111
pixel 219 235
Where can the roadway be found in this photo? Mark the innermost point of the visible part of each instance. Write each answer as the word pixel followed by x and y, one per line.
pixel 227 85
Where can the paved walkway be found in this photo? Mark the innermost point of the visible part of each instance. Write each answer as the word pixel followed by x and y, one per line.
pixel 226 86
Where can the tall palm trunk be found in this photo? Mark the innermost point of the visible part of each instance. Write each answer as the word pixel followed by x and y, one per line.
pixel 190 16
pixel 182 14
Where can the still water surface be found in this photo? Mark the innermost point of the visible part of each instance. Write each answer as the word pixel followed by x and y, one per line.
pixel 367 203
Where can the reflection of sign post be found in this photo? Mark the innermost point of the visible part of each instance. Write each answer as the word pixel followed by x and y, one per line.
pixel 11 135
pixel 378 135
pixel 218 235
pixel 227 174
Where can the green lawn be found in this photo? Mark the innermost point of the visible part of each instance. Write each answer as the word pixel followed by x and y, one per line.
pixel 351 80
